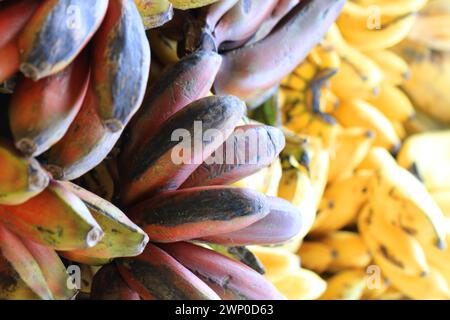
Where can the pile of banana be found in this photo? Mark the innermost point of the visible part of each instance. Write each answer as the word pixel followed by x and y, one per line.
pixel 376 98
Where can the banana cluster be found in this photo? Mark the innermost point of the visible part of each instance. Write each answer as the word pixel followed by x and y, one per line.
pixel 369 94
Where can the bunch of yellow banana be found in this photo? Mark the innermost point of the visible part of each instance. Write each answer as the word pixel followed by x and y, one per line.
pixel 381 229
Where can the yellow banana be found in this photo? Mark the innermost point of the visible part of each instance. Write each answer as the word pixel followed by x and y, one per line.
pixel 430 75
pixel 397 7
pixel 154 13
pixel 432 27
pixel 276 261
pixel 345 285
pixel 429 155
pixel 397 246
pixel 316 256
pixel 351 147
pixel 431 286
pixel 442 198
pixel 406 201
pixel 423 122
pixel 393 103
pixel 164 48
pixel 351 251
pixel 358 75
pixel 371 29
pixel 341 202
pixel 394 67
pixel 190 4
pixel 301 284
pixel 377 158
pixel 359 113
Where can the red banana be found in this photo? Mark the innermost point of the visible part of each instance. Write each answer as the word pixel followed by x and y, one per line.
pixel 186 81
pixel 13 17
pixel 86 143
pixel 164 163
pixel 281 9
pixel 55 218
pixel 281 224
pixel 229 278
pixel 155 275
pixel 214 12
pixel 56 34
pixel 248 71
pixel 19 271
pixel 249 149
pixel 121 64
pixel 109 285
pixel 198 212
pixel 41 112
pixel 242 20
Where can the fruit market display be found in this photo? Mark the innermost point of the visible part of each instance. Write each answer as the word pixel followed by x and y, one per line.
pixel 344 194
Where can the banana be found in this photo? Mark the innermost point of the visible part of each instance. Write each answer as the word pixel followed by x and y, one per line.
pixel 371 29
pixel 407 202
pixel 241 254
pixel 395 68
pixel 442 198
pixel 423 122
pixel 350 251
pixel 246 72
pixel 20 178
pixel 281 224
pixel 249 149
pixel 301 284
pixel 86 143
pixel 99 181
pixel 242 20
pixel 190 4
pixel 345 285
pixel 119 100
pixel 10 62
pixel 316 256
pixel 122 238
pixel 21 275
pixel 433 170
pixel 53 270
pixel 430 286
pixel 173 91
pixel 229 278
pixel 276 261
pixel 281 9
pixel 432 26
pixel 155 275
pixel 265 180
pixel 68 37
pixel 359 113
pixel 41 112
pixel 397 7
pixel 154 13
pixel 13 17
pixel 342 202
pixel 358 75
pixel 351 147
pixel 163 48
pixel 109 285
pixel 376 159
pixel 223 210
pixel 56 218
pixel 164 163
pixel 213 13
pixel 398 248
pixel 430 74
pixel 393 103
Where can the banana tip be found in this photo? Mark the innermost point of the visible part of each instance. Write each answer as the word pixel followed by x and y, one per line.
pixel 93 237
pixel 30 71
pixel 26 146
pixel 113 125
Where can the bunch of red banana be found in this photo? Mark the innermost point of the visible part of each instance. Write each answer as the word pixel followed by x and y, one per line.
pixel 84 70
pixel 189 200
pixel 261 41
